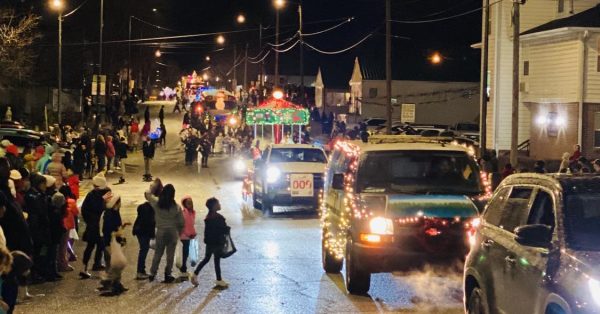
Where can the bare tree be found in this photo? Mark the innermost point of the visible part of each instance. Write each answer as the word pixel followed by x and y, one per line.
pixel 17 36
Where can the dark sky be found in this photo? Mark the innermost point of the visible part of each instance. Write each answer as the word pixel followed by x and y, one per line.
pixel 451 38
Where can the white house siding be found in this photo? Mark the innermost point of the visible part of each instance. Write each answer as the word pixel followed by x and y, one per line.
pixel 553 71
pixel 592 81
pixel 581 5
pixel 533 13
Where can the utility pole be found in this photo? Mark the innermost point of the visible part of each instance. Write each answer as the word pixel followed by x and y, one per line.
pixel 514 139
pixel 100 55
pixel 234 80
pixel 129 59
pixel 245 88
pixel 388 63
pixel 276 50
pixel 58 96
pixel 483 100
pixel 262 63
pixel 302 100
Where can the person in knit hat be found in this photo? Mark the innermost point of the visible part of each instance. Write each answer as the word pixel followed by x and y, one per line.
pixel 56 214
pixel 92 208
pixel 112 226
pixel 188 233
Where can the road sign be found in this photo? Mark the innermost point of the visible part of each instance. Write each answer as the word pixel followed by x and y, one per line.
pixel 408 113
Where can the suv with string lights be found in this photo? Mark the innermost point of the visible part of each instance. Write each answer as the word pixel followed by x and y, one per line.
pixel 397 202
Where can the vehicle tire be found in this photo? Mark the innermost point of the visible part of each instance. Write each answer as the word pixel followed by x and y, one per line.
pixel 358 281
pixel 331 264
pixel 256 204
pixel 267 207
pixel 477 303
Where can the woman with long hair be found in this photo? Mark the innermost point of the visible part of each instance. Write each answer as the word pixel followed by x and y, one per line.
pixel 169 224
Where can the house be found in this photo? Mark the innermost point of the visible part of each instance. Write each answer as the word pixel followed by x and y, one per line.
pixel 559 77
pixel 435 102
pixel 332 92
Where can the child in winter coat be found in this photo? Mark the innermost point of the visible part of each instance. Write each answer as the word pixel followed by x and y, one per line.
pixel 112 228
pixel 189 231
pixel 65 248
pixel 214 236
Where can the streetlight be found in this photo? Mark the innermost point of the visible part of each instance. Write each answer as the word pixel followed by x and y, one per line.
pixel 157 53
pixel 58 5
pixel 436 58
pixel 205 77
pixel 241 19
pixel 220 39
pixel 279 3
pixel 207 58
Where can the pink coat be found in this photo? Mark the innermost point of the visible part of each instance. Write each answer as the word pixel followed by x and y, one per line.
pixel 189 231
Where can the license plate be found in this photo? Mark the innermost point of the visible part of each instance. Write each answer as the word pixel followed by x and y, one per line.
pixel 301 185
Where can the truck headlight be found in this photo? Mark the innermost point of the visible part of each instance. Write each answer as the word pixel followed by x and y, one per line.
pixel 382 226
pixel 273 174
pixel 594 286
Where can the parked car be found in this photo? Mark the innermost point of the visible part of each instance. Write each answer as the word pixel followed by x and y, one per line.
pixel 467 129
pixel 537 247
pixel 395 203
pixel 288 177
pixel 22 137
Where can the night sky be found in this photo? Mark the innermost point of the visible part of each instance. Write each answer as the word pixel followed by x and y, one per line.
pixel 412 44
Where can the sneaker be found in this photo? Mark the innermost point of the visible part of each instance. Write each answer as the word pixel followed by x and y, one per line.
pixel 169 279
pixel 194 280
pixel 184 274
pixel 142 276
pixel 67 268
pixel 98 267
pixel 151 278
pixel 221 283
pixel 110 171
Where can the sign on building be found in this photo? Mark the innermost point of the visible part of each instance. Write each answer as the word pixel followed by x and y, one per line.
pixel 408 113
pixel 102 85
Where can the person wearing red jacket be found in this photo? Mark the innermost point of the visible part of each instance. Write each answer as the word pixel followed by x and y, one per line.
pixel 110 152
pixel 68 224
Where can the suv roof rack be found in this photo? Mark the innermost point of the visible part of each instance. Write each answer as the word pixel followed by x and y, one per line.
pixel 393 139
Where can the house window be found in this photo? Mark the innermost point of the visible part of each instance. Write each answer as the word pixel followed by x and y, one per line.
pixel 597 129
pixel 561 6
pixel 526 68
pixel 372 92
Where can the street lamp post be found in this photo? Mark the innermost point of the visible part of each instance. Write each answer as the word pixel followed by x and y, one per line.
pixel 278 5
pixel 301 54
pixel 58 5
pixel 129 59
pixel 100 55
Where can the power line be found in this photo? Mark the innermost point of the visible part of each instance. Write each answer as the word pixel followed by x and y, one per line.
pixel 153 25
pixel 443 18
pixel 342 50
pixel 261 60
pixel 287 49
pixel 350 19
pixel 76 9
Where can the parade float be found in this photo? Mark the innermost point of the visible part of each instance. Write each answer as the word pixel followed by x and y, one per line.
pixel 277 113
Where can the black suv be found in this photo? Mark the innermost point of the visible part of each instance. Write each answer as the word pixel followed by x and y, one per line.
pixel 537 248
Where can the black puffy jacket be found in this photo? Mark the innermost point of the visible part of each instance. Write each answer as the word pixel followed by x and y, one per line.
pixel 144 224
pixel 91 210
pixel 36 206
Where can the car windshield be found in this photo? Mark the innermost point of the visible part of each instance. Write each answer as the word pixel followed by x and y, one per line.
pixel 297 155
pixel 467 127
pixel 418 172
pixel 582 218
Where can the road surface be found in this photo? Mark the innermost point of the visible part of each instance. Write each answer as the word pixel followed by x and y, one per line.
pixel 277 268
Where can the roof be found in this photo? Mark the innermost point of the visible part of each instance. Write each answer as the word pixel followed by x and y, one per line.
pixel 568 182
pixel 416 146
pixel 293 146
pixel 588 18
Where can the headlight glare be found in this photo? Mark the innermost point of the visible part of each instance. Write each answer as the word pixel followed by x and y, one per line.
pixel 239 165
pixel 594 286
pixel 273 174
pixel 380 225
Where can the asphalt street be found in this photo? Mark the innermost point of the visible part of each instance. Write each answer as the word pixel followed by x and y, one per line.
pixel 277 268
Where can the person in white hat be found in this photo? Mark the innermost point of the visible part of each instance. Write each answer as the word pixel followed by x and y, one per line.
pixel 15 175
pixel 92 208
